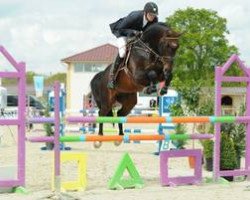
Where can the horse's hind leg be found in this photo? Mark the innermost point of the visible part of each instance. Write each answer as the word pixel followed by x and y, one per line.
pixel 98 144
pixel 128 102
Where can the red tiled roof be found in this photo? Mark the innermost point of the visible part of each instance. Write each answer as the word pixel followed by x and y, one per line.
pixel 104 53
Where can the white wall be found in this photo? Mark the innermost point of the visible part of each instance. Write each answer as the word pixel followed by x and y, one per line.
pixel 80 85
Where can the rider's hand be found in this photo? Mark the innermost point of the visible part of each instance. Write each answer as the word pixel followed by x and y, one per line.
pixel 138 33
pixel 135 33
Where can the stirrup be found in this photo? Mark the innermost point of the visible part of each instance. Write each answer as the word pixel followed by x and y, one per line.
pixel 111 85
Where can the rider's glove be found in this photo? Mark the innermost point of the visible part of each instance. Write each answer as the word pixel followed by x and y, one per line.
pixel 135 33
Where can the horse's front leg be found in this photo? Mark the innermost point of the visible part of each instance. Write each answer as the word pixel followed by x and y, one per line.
pixel 168 76
pixel 101 113
pixel 100 129
pixel 98 144
pixel 152 76
pixel 120 128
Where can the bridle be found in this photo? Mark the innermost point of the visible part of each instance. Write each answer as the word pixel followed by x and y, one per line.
pixel 147 49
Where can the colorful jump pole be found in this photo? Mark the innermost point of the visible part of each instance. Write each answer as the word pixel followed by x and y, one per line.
pixel 39 120
pixel 196 119
pixel 41 139
pixel 132 137
pixel 125 138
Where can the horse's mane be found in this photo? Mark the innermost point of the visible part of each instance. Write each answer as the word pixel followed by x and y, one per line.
pixel 156 25
pixel 154 29
pixel 162 24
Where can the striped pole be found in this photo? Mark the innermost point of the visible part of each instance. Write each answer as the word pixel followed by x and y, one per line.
pixel 108 130
pixel 195 119
pixel 136 137
pixel 39 120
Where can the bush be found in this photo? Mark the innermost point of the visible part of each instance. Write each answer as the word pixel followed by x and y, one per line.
pixel 48 129
pixel 228 157
pixel 47 126
pixel 176 110
pixel 208 146
pixel 180 129
pixel 228 154
pixel 236 132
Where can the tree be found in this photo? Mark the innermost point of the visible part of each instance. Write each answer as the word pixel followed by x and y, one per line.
pixel 61 77
pixel 13 81
pixel 30 77
pixel 190 95
pixel 202 46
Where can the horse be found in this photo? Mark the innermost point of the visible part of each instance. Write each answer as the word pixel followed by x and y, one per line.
pixel 150 61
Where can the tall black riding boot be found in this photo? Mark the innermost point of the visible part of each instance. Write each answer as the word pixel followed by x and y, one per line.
pixel 113 71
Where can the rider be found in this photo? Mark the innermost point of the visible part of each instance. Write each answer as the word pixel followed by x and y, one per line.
pixel 130 26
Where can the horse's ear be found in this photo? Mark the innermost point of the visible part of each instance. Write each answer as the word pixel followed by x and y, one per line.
pixel 173 44
pixel 169 32
pixel 175 34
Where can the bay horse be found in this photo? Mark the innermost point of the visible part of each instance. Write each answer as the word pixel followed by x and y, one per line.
pixel 150 61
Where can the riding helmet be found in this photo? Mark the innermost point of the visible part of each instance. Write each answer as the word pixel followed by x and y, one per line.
pixel 151 7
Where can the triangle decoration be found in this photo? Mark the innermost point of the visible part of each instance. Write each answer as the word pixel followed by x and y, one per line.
pixel 118 182
pixel 235 59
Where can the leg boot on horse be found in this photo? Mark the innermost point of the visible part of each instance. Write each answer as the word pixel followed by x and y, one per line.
pixel 152 76
pixel 168 78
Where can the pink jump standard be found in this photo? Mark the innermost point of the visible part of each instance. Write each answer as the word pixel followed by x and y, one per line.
pixel 173 181
pixel 220 77
pixel 19 74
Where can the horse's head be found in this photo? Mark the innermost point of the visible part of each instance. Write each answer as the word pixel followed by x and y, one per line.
pixel 163 43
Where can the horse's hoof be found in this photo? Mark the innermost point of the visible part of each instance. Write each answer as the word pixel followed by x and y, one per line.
pixel 153 89
pixel 148 90
pixel 117 143
pixel 97 144
pixel 163 91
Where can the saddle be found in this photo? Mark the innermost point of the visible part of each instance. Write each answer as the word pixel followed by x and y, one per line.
pixel 129 46
pixel 124 63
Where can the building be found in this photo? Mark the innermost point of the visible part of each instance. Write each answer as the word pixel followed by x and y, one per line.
pixel 233 98
pixel 80 70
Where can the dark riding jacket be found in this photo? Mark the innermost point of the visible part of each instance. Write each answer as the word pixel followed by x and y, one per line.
pixel 127 25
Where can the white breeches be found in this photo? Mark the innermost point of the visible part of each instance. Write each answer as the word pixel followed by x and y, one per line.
pixel 121 44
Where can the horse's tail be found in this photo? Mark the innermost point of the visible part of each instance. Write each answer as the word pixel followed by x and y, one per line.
pixel 89 100
pixel 95 85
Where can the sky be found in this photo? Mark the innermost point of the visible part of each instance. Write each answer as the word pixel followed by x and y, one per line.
pixel 42 32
